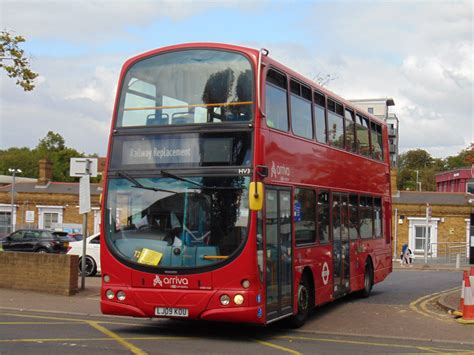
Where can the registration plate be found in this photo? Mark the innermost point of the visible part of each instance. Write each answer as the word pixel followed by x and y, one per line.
pixel 171 312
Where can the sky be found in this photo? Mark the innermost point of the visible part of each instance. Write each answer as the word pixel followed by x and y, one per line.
pixel 420 53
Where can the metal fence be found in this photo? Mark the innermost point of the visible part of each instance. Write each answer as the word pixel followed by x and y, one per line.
pixel 448 253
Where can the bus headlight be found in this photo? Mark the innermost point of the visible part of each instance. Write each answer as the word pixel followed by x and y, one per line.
pixel 225 300
pixel 245 283
pixel 109 294
pixel 121 296
pixel 238 299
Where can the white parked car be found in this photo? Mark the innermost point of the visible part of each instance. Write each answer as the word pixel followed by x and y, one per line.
pixel 92 254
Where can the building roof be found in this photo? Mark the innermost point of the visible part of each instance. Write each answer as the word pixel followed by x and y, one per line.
pixel 7 179
pixel 383 100
pixel 433 198
pixel 465 172
pixel 64 188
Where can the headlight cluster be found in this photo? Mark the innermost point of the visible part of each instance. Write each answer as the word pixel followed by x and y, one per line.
pixel 121 296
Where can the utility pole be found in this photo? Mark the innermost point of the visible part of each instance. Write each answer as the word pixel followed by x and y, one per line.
pixel 427 230
pixel 84 168
pixel 84 191
pixel 418 183
pixel 14 172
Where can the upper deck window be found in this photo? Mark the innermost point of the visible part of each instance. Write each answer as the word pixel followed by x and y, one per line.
pixel 335 124
pixel 320 117
pixel 301 120
pixel 187 87
pixel 377 142
pixel 363 137
pixel 276 101
pixel 350 130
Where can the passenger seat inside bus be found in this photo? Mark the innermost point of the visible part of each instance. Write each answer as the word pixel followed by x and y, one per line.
pixel 182 118
pixel 152 120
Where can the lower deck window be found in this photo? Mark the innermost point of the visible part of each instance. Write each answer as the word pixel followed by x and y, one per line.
pixel 304 216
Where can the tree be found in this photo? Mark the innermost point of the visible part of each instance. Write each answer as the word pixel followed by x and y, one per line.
pixel 418 162
pixel 464 159
pixel 415 159
pixel 19 158
pixel 53 147
pixel 53 142
pixel 13 61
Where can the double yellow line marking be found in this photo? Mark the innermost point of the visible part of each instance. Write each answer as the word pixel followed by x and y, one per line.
pixel 94 324
pixel 420 305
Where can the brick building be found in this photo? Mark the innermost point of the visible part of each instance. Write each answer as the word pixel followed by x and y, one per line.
pixel 46 204
pixel 449 227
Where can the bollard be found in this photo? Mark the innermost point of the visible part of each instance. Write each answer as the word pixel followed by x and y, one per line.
pixel 458 261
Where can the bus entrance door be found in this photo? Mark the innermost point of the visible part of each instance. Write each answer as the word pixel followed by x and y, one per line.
pixel 278 253
pixel 341 245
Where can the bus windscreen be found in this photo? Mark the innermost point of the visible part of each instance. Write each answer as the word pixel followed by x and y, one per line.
pixel 173 222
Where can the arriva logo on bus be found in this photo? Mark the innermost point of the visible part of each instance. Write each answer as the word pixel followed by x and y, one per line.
pixel 280 171
pixel 171 281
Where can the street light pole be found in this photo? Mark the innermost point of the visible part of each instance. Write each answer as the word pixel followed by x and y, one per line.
pixel 14 172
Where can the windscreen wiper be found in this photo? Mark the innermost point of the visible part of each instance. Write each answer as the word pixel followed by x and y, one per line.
pixel 138 185
pixel 176 177
pixel 197 184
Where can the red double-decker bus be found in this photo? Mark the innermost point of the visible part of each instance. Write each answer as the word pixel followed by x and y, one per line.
pixel 238 190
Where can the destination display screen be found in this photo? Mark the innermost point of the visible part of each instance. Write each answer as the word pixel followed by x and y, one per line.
pixel 183 150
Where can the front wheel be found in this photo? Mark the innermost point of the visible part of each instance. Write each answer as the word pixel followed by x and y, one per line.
pixel 304 304
pixel 368 280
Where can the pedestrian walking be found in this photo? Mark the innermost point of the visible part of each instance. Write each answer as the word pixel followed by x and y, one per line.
pixel 406 256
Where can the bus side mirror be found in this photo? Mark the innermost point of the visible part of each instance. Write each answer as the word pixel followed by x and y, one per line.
pixel 256 196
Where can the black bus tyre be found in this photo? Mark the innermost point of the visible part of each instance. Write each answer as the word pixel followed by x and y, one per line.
pixel 91 266
pixel 368 280
pixel 304 303
pixel 42 251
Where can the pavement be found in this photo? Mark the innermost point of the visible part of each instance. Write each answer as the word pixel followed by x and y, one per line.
pixel 87 301
pixel 84 302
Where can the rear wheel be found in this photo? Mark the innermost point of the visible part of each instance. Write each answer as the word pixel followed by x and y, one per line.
pixel 91 266
pixel 42 251
pixel 305 293
pixel 368 280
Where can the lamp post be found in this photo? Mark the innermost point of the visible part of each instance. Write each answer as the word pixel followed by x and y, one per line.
pixel 14 172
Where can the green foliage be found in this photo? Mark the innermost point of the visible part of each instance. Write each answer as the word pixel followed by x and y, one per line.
pixel 13 61
pixel 51 147
pixel 420 160
pixel 464 159
pixel 415 159
pixel 53 142
pixel 19 158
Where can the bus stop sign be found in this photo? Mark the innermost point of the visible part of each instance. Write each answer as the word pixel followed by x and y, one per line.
pixel 83 166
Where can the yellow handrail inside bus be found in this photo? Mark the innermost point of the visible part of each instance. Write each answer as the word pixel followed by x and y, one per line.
pixel 212 257
pixel 188 106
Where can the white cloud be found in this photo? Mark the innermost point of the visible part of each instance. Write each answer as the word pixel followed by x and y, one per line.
pixel 416 52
